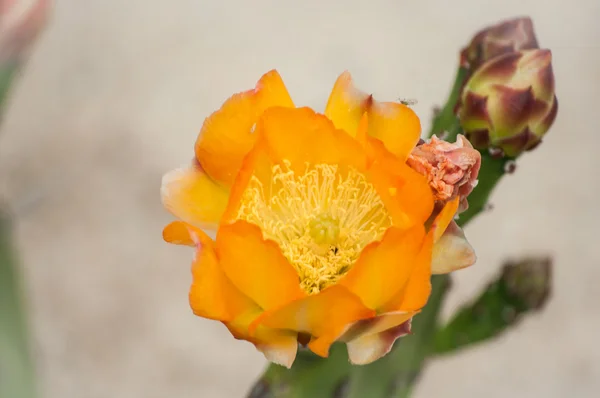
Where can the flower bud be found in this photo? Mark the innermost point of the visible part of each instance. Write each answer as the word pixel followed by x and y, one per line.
pixel 509 102
pixel 506 37
pixel 529 281
pixel 523 287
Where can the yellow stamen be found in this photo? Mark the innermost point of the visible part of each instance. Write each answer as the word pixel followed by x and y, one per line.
pixel 321 219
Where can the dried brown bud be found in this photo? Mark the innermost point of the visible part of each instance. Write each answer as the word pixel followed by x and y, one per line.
pixel 450 168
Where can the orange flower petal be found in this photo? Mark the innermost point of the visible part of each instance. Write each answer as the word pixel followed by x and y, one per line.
pixel 383 268
pixel 227 135
pixel 191 195
pixel 405 193
pixel 325 316
pixel 445 217
pixel 212 295
pixel 281 348
pixel 374 338
pixel 362 132
pixel 452 251
pixel 395 124
pixel 378 324
pixel 256 266
pixel 416 292
pixel 298 136
pixel 301 135
pixel 278 346
pixel 178 233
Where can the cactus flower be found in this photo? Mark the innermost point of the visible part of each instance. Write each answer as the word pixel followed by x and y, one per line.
pixel 323 232
pixel 509 102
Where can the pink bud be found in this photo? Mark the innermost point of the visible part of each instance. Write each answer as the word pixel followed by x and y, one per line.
pixel 20 22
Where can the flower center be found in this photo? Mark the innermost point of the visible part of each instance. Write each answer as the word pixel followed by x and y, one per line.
pixel 321 219
pixel 324 229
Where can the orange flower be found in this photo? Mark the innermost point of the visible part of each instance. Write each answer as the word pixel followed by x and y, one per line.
pixel 323 232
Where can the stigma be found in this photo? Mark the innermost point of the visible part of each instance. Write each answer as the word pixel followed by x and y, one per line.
pixel 321 218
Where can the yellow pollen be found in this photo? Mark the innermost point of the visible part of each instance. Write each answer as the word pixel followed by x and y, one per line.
pixel 321 219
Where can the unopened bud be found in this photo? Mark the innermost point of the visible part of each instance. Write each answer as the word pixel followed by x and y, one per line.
pixel 529 280
pixel 509 102
pixel 503 38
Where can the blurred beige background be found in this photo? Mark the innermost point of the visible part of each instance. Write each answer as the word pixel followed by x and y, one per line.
pixel 113 97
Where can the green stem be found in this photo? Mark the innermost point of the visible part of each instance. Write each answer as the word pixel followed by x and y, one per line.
pixel 310 376
pixel 521 287
pixel 446 120
pixel 7 72
pixel 492 170
pixel 16 366
pixel 396 373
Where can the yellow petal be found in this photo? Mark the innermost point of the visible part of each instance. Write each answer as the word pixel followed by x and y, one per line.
pixel 383 268
pixel 227 135
pixel 452 251
pixel 405 193
pixel 373 338
pixel 395 124
pixel 256 266
pixel 192 196
pixel 325 316
pixel 347 104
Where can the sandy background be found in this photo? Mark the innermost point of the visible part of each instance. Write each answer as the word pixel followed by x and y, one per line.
pixel 113 97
